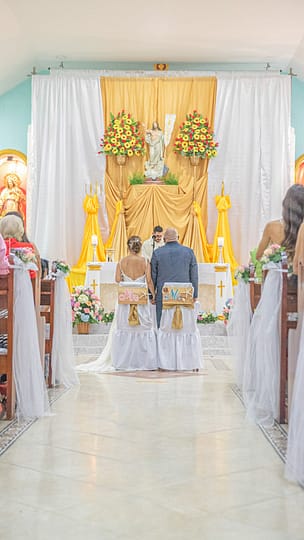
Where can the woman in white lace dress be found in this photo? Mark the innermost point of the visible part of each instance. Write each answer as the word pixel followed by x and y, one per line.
pixel 130 347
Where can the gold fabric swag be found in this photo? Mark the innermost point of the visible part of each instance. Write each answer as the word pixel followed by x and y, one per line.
pixel 144 206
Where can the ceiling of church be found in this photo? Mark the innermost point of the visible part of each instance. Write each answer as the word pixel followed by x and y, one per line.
pixel 41 33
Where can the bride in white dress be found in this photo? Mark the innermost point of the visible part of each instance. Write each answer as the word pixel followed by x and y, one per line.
pixel 129 347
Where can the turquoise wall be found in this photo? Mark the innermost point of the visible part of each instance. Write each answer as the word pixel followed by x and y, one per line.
pixel 297 113
pixel 15 108
pixel 15 116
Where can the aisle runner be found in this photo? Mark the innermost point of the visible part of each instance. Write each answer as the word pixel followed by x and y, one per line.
pixel 11 430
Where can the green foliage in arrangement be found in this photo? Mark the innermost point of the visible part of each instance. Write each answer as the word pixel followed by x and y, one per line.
pixel 170 179
pixel 136 178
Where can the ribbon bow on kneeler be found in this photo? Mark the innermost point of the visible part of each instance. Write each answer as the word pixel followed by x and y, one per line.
pixel 177 295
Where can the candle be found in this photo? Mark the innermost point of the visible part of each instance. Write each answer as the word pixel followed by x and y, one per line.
pixel 94 240
pixel 220 241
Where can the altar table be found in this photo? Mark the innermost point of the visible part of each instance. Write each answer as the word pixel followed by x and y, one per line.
pixel 215 285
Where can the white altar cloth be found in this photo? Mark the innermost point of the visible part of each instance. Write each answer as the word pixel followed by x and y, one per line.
pixel 215 286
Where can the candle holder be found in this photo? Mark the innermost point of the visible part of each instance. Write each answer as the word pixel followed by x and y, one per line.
pixel 110 254
pixel 220 259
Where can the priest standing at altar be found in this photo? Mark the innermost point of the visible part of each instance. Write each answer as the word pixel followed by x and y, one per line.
pixel 154 242
pixel 173 263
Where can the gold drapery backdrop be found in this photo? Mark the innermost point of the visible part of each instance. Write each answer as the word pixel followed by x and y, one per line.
pixel 78 272
pixel 145 206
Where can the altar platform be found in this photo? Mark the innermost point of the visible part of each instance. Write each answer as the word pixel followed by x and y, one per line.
pixel 215 285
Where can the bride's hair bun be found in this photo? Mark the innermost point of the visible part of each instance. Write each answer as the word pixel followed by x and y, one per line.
pixel 134 244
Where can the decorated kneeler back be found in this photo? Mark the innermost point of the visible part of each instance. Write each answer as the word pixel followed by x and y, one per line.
pixel 132 294
pixel 177 295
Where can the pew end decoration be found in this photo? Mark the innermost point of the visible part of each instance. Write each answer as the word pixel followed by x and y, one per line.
pixel 243 273
pixel 60 266
pixel 123 137
pixel 195 138
pixel 86 308
pixel 274 253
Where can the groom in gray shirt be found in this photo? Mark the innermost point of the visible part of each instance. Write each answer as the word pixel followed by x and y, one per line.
pixel 172 263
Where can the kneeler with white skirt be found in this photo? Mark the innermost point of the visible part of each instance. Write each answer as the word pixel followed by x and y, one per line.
pixel 134 337
pixel 179 342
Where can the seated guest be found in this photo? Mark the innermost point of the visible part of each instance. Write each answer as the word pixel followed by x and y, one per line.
pixel 153 243
pixel 3 258
pixel 262 363
pixel 12 230
pixel 272 234
pixel 284 231
pixel 25 239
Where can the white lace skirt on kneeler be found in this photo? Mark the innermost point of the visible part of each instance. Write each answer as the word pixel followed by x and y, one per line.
pixel 134 347
pixel 179 349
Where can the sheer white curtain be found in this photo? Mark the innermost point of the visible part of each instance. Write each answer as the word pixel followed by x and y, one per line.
pixel 67 123
pixel 252 125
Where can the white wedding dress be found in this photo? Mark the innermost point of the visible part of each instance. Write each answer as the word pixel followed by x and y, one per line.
pixel 128 347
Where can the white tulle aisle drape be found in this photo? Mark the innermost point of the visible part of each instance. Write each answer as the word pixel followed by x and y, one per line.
pixel 252 123
pixel 294 469
pixel 262 365
pixel 63 362
pixel 31 393
pixel 67 123
pixel 238 328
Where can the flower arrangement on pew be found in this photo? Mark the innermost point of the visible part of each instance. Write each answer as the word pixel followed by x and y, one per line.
pixel 273 254
pixel 60 266
pixel 195 137
pixel 86 306
pixel 123 137
pixel 25 254
pixel 242 272
pixel 226 311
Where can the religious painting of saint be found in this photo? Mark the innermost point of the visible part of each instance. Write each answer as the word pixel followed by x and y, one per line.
pixel 13 173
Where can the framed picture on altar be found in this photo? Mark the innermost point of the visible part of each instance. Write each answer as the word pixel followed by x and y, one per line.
pixel 299 170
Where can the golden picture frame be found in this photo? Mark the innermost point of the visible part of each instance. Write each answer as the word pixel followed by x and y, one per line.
pixel 299 170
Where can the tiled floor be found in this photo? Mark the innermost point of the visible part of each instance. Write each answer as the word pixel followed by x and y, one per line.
pixel 170 458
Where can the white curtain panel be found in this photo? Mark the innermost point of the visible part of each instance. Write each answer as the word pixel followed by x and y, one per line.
pixel 252 126
pixel 67 123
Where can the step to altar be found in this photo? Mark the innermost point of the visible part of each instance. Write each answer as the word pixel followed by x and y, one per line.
pixel 213 338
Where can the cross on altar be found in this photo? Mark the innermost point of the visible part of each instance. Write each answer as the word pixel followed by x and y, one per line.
pixel 92 278
pixel 94 285
pixel 221 286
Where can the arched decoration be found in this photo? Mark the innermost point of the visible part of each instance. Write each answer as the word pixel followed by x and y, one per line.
pixel 13 175
pixel 299 170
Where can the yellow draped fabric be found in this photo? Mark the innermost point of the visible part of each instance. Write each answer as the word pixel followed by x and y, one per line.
pixel 78 272
pixel 149 99
pixel 223 230
pixel 195 235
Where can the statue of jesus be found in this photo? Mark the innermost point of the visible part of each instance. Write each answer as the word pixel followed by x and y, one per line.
pixel 154 168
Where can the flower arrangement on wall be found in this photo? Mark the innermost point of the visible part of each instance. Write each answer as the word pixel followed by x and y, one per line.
pixel 123 137
pixel 195 137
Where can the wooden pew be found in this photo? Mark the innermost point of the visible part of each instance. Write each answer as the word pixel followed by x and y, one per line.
pixel 288 305
pixel 47 311
pixel 6 328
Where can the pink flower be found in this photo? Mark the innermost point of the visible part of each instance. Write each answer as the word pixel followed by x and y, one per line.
pixel 86 310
